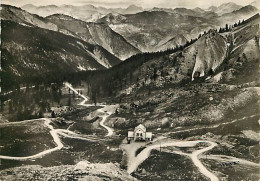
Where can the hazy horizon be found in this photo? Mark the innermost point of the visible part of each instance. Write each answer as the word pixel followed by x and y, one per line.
pixel 123 4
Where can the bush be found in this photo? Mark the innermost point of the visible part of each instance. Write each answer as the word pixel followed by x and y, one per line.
pixel 166 122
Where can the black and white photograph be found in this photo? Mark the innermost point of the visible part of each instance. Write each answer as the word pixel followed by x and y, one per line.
pixel 130 90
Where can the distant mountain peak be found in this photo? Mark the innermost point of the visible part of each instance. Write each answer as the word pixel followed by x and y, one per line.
pixel 134 6
pixel 212 8
pixel 226 8
pixel 90 7
pixel 229 4
pixel 132 9
pixel 29 6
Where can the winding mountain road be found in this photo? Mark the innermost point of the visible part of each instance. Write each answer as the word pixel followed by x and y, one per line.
pixel 197 162
pixel 107 111
pixel 134 162
pixel 229 159
pixel 55 134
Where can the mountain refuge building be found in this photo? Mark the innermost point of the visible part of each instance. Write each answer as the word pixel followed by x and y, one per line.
pixel 139 134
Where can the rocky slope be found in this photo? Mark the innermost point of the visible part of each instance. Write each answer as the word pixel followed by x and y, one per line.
pixel 81 171
pixel 95 33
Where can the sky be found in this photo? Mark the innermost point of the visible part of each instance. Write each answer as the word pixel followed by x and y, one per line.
pixel 126 3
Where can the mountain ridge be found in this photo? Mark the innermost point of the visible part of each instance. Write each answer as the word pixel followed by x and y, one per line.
pixel 111 41
pixel 33 51
pixel 92 32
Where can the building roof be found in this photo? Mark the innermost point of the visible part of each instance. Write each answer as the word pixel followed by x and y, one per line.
pixel 140 126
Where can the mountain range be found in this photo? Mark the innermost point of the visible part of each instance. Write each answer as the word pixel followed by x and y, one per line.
pixel 88 13
pixel 148 29
pixel 61 43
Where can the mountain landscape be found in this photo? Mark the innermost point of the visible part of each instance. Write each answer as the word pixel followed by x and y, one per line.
pixel 134 25
pixel 77 81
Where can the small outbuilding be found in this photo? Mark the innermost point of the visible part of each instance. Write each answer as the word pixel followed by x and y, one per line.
pixel 139 134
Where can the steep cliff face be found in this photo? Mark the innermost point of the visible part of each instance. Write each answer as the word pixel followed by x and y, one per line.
pixel 210 51
pixel 199 59
pixel 95 33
